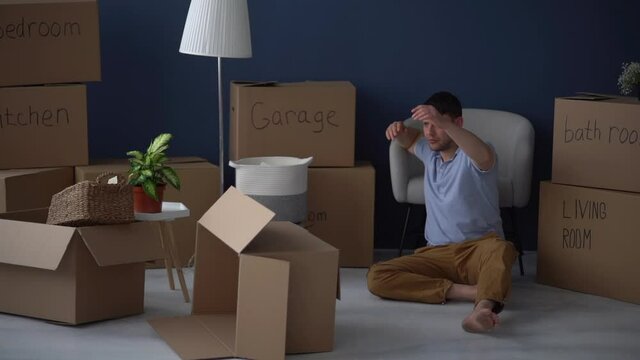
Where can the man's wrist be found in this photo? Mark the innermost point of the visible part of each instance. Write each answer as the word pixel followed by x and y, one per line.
pixel 410 139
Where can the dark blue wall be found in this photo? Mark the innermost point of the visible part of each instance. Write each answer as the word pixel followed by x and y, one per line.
pixel 510 55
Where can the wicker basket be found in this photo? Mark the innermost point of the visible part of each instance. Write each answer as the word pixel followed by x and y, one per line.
pixel 93 203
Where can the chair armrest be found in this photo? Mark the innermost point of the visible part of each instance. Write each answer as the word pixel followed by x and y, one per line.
pixel 523 165
pixel 402 166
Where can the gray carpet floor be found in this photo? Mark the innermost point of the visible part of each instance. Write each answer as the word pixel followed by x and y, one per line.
pixel 540 322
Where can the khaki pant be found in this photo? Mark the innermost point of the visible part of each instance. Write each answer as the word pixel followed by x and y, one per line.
pixel 427 275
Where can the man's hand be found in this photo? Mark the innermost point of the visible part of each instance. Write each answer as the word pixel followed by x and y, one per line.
pixel 431 114
pixel 394 130
pixel 405 136
pixel 479 152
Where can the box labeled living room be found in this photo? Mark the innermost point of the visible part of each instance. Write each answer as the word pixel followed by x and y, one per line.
pixel 587 240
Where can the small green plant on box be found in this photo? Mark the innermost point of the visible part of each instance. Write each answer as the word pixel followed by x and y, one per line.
pixel 629 79
pixel 149 170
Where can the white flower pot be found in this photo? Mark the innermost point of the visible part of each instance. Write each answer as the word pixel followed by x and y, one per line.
pixel 277 182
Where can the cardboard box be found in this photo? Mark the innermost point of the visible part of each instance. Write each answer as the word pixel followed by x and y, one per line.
pixel 49 41
pixel 294 119
pixel 43 126
pixel 340 211
pixel 587 241
pixel 24 189
pixel 73 275
pixel 200 189
pixel 257 286
pixel 597 143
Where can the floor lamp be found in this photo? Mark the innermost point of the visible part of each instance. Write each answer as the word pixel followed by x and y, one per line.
pixel 218 28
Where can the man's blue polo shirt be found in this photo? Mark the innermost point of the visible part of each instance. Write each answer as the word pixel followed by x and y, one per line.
pixel 462 200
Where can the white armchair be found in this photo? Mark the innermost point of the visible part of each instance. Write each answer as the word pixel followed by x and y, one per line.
pixel 512 137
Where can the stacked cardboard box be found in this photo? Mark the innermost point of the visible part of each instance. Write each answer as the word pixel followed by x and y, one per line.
pixel 64 274
pixel 587 223
pixel 43 126
pixel 46 42
pixel 312 119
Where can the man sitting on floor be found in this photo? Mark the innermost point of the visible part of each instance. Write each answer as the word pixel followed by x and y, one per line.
pixel 466 257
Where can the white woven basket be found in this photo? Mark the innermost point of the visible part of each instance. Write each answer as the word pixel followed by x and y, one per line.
pixel 277 182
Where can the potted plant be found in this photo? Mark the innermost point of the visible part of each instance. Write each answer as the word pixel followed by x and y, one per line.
pixel 629 80
pixel 149 175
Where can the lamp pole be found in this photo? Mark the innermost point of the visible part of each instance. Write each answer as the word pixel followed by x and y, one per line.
pixel 218 28
pixel 220 126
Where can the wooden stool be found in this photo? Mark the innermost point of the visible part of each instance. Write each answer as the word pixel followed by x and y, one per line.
pixel 170 212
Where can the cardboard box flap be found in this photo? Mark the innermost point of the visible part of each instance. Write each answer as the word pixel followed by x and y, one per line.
pixel 284 236
pixel 33 244
pixel 607 98
pixel 125 162
pixel 258 331
pixel 336 83
pixel 185 159
pixel 263 291
pixel 123 244
pixel 236 219
pixel 5 174
pixel 32 215
pixel 291 84
pixel 190 337
pixel 254 83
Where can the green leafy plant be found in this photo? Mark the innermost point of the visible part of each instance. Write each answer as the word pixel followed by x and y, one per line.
pixel 629 80
pixel 149 170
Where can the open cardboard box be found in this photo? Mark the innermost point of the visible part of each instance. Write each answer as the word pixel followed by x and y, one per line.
pixel 73 275
pixel 260 288
pixel 200 189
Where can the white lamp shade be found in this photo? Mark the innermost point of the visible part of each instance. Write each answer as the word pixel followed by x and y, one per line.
pixel 218 28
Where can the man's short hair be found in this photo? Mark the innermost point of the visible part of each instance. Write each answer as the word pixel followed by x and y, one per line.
pixel 446 103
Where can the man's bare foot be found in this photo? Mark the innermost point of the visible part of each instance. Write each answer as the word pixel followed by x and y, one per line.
pixel 462 292
pixel 481 319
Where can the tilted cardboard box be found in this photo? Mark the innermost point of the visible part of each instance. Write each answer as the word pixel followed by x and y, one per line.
pixel 341 209
pixel 49 41
pixel 200 189
pixel 587 240
pixel 73 275
pixel 24 189
pixel 313 118
pixel 43 126
pixel 260 288
pixel 597 143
